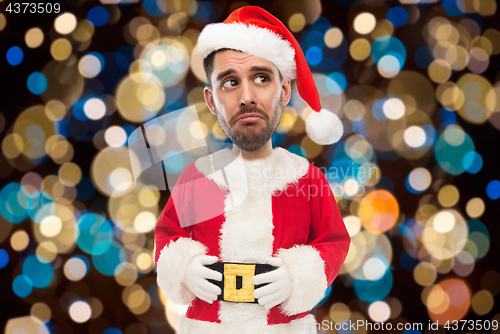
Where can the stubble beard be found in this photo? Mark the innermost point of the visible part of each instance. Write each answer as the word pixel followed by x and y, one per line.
pixel 254 139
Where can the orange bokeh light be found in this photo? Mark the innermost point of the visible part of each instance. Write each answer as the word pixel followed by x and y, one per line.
pixel 454 304
pixel 378 211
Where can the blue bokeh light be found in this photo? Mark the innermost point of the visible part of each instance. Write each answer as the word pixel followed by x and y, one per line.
pixel 173 162
pixel 371 291
pixel 389 45
pixel 98 15
pixel 155 7
pixel 315 38
pixel 37 83
pixel 15 55
pixel 124 56
pixel 314 55
pixel 40 205
pixel 398 16
pixel 472 162
pixel 424 57
pixel 85 189
pixel 408 262
pixel 450 148
pixel 154 295
pixel 336 83
pixel 297 149
pixel 449 117
pixel 22 286
pixel 14 202
pixel 112 330
pixel 93 233
pixel 107 262
pixel 40 273
pixel 454 7
pixel 4 258
pixel 493 189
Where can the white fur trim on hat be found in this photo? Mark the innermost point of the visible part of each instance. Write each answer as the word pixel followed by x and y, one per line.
pixel 172 267
pixel 324 127
pixel 307 269
pixel 260 42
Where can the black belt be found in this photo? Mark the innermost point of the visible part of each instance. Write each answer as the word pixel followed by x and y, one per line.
pixel 236 284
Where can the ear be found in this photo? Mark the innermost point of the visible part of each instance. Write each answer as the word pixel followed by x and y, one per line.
pixel 287 92
pixel 209 99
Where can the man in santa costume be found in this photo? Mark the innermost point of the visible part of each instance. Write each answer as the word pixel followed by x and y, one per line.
pixel 266 216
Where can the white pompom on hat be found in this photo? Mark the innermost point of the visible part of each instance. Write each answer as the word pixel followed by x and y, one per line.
pixel 253 30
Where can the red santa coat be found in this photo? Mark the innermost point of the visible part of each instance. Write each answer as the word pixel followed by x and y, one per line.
pixel 278 206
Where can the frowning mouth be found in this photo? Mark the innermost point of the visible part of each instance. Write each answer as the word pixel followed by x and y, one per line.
pixel 249 118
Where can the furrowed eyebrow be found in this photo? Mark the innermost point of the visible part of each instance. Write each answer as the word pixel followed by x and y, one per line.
pixel 223 74
pixel 262 69
pixel 253 69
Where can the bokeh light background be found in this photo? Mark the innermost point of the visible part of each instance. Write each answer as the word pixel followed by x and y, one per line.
pixel 416 84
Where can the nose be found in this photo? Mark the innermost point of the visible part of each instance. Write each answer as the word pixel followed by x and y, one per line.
pixel 247 95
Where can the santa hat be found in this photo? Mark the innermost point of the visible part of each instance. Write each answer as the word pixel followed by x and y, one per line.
pixel 253 30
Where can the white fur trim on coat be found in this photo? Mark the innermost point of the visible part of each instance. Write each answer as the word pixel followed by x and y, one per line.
pixel 276 172
pixel 172 266
pixel 260 42
pixel 306 325
pixel 307 269
pixel 324 127
pixel 246 236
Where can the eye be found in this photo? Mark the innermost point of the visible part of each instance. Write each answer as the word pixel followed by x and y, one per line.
pixel 229 84
pixel 261 79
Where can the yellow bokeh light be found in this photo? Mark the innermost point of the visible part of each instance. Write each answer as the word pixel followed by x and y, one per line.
pixel 475 207
pixel 149 197
pixel 360 49
pixel 70 174
pixel 439 71
pixel 19 240
pixel 364 23
pixel 138 98
pixel 51 226
pixel 34 38
pixel 450 96
pixel 353 225
pixel 3 21
pixel 115 136
pixel 80 311
pixel 61 49
pixel 41 311
pixel 84 31
pixel 55 110
pixel 425 274
pixel 46 252
pixel 339 312
pixel 297 22
pixel 415 136
pixel 12 145
pixel 144 261
pixel 333 37
pixel 448 196
pixel 125 274
pixel 493 36
pixel 145 222
pixel 379 311
pixel 444 222
pixel 65 24
pixel 482 302
pixel 75 269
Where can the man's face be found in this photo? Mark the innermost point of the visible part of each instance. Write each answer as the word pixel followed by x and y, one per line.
pixel 243 84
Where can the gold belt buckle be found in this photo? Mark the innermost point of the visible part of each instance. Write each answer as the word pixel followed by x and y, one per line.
pixel 247 272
